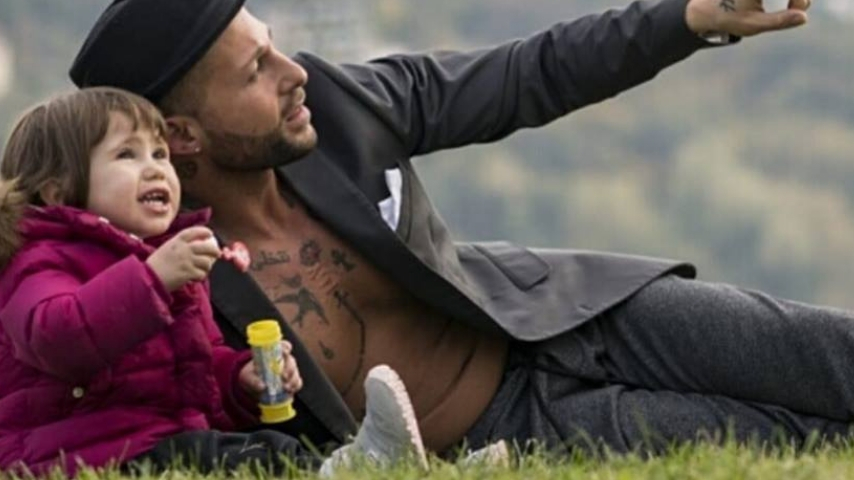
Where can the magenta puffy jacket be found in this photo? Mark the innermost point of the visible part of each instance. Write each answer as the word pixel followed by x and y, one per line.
pixel 98 362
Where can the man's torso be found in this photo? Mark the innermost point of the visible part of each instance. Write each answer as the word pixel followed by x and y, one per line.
pixel 351 317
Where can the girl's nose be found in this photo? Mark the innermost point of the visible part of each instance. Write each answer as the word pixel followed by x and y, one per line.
pixel 154 172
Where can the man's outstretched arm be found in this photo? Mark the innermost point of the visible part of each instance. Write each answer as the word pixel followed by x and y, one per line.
pixel 450 99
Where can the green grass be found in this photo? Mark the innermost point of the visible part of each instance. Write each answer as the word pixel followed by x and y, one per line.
pixel 704 461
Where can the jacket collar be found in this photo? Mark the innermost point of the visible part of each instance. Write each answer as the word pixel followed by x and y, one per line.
pixel 63 222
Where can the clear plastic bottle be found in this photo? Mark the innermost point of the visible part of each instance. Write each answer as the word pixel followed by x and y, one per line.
pixel 265 338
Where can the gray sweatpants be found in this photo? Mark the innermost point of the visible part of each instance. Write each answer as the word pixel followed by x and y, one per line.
pixel 681 360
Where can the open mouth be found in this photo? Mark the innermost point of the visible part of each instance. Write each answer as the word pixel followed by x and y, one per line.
pixel 157 199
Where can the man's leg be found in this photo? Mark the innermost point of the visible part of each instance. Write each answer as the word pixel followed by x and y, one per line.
pixel 678 361
pixel 558 411
pixel 695 337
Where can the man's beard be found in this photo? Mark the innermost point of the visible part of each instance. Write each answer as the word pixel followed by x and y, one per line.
pixel 233 151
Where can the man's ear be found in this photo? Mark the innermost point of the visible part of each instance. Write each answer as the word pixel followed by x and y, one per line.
pixel 51 193
pixel 184 136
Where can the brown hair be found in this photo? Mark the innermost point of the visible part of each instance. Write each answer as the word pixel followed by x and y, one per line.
pixel 52 142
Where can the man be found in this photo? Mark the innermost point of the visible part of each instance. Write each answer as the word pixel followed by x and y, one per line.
pixel 492 340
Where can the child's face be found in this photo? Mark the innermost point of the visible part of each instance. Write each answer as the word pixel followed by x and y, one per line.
pixel 131 181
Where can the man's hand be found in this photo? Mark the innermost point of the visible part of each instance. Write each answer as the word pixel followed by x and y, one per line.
pixel 742 17
pixel 186 257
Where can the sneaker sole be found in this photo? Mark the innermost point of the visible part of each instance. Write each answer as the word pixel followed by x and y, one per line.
pixel 390 378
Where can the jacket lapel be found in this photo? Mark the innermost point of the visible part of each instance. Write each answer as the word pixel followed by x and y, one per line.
pixel 337 200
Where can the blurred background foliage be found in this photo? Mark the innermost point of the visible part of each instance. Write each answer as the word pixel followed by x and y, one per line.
pixel 738 159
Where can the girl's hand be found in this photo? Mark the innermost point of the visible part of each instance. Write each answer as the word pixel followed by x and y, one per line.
pixel 291 379
pixel 186 257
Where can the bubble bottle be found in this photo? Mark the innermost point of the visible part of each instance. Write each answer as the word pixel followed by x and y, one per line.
pixel 265 338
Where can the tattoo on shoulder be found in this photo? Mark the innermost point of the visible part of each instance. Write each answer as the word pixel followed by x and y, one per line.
pixel 266 259
pixel 728 5
pixel 340 259
pixel 309 253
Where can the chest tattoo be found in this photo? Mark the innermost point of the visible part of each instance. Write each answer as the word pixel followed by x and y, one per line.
pixel 342 299
pixel 328 353
pixel 309 253
pixel 292 282
pixel 309 290
pixel 306 303
pixel 340 259
pixel 264 259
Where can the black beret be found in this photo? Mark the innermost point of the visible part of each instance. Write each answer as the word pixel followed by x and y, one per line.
pixel 146 46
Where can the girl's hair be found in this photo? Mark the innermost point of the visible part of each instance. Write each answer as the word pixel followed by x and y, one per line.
pixel 53 142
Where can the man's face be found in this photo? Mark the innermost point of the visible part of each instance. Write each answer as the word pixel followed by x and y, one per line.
pixel 253 110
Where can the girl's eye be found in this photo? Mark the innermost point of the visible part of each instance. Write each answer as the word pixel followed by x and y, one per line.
pixel 125 153
pixel 161 154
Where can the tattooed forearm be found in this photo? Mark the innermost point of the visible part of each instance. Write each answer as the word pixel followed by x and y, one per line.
pixel 343 302
pixel 727 5
pixel 264 259
pixel 309 253
pixel 306 302
pixel 340 259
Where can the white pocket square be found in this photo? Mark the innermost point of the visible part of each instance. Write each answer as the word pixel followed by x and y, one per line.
pixel 390 207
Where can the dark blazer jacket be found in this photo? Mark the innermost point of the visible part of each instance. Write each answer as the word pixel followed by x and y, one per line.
pixel 376 116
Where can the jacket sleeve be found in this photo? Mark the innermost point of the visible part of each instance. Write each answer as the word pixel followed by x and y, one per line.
pixel 450 99
pixel 73 329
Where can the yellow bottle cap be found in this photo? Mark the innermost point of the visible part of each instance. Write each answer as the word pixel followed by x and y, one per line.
pixel 263 332
pixel 279 412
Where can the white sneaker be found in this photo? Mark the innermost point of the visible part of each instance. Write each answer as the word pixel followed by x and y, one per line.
pixel 493 455
pixel 389 432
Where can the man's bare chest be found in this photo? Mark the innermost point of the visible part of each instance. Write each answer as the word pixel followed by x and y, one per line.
pixel 325 291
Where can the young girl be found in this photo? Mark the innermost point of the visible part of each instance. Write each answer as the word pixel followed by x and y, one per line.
pixel 108 349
